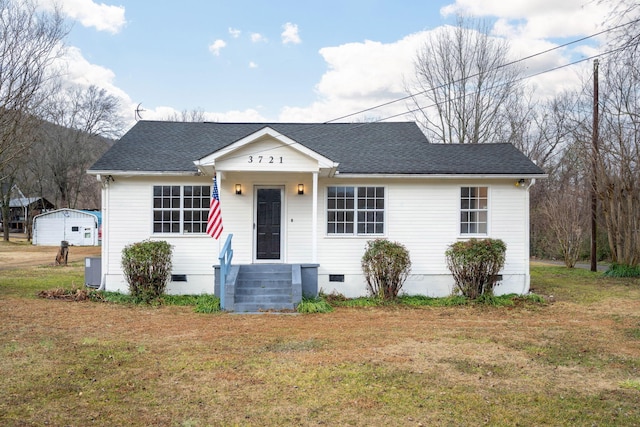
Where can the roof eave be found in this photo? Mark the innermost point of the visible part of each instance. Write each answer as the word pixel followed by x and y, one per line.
pixel 440 176
pixel 142 173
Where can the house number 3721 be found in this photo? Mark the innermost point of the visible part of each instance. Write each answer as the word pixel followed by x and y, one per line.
pixel 264 159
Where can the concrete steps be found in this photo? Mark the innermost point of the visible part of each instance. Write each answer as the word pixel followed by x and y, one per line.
pixel 264 287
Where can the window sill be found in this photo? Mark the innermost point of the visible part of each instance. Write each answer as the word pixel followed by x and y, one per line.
pixel 354 236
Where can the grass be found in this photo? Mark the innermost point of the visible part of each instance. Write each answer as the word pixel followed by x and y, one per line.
pixel 574 360
pixel 619 270
pixel 314 305
pixel 579 285
pixel 424 301
pixel 204 303
pixel 28 282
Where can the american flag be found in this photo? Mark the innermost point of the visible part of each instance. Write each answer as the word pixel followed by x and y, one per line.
pixel 214 222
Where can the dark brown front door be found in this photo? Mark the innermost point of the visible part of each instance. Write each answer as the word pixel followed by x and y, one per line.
pixel 268 223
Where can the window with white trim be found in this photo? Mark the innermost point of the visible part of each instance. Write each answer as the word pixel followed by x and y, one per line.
pixel 180 209
pixel 355 210
pixel 474 210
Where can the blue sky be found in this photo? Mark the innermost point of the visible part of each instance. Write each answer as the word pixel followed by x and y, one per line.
pixel 292 60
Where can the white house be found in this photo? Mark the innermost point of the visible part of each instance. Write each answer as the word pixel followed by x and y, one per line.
pixel 307 198
pixel 78 228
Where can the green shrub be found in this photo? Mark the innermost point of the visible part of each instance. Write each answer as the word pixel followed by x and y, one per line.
pixel 621 270
pixel 314 305
pixel 386 265
pixel 147 268
pixel 207 303
pixel 475 265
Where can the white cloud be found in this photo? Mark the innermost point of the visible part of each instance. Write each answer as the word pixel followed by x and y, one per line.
pixel 76 70
pixel 91 14
pixel 536 19
pixel 79 71
pixel 248 115
pixel 217 46
pixel 290 34
pixel 257 38
pixel 361 76
pixel 536 26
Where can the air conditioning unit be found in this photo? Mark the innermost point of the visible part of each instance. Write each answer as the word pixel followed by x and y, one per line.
pixel 92 272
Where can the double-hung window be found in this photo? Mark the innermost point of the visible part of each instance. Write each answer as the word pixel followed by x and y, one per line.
pixel 180 208
pixel 355 210
pixel 474 210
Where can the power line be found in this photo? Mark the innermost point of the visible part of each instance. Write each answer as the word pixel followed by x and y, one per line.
pixel 507 64
pixel 419 108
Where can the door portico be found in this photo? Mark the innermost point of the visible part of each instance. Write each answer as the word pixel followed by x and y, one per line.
pixel 269 193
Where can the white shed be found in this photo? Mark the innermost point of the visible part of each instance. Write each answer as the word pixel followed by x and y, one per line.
pixel 79 228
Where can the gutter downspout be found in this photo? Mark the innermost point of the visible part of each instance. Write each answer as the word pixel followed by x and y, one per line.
pixel 527 240
pixel 104 253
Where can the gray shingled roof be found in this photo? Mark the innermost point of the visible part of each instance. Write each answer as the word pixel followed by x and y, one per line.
pixel 359 148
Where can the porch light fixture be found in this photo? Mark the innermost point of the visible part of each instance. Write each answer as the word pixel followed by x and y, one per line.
pixel 300 189
pixel 238 189
pixel 520 183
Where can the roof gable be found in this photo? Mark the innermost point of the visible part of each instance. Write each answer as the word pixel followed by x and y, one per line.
pixel 265 149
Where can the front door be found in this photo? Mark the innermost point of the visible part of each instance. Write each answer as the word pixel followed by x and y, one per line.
pixel 268 223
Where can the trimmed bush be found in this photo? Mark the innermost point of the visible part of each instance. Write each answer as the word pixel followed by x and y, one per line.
pixel 475 265
pixel 386 266
pixel 147 268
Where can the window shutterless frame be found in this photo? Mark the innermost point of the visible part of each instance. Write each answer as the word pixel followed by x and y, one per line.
pixel 473 211
pixel 180 209
pixel 355 210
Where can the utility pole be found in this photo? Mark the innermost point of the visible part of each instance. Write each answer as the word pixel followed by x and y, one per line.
pixel 594 170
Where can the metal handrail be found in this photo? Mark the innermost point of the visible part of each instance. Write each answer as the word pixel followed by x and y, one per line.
pixel 226 255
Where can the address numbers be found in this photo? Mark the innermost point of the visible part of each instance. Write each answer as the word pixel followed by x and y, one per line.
pixel 264 159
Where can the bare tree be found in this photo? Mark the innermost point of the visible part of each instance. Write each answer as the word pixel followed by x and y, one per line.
pixel 618 158
pixel 566 214
pixel 463 87
pixel 556 138
pixel 29 43
pixel 195 115
pixel 625 18
pixel 91 110
pixel 78 120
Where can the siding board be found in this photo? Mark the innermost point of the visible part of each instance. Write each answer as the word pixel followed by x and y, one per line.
pixel 422 214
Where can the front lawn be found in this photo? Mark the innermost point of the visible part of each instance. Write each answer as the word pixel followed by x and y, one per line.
pixel 574 360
